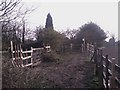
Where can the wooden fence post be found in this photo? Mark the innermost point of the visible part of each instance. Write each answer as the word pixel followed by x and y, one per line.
pixel 88 48
pixel 106 71
pixel 21 56
pixel 95 54
pixel 31 55
pixel 11 43
pixel 82 47
pixel 18 59
pixel 95 59
pixel 26 61
pixel 92 50
pixel 83 44
pixel 101 69
pixel 112 78
pixel 15 56
pixel 71 47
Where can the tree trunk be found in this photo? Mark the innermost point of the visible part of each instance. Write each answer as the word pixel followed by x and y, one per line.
pixel 23 33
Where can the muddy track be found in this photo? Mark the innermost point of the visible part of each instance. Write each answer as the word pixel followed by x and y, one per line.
pixel 70 73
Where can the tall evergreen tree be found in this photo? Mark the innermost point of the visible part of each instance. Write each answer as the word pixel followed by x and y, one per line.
pixel 49 21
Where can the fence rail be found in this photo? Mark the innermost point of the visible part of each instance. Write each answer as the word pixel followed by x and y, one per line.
pixel 107 71
pixel 22 58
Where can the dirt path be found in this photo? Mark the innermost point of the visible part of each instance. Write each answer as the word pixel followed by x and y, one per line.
pixel 73 72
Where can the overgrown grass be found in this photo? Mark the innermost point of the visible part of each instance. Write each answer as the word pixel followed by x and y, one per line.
pixel 91 80
pixel 14 77
pixel 24 78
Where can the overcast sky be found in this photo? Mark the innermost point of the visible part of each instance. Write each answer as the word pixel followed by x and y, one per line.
pixel 75 14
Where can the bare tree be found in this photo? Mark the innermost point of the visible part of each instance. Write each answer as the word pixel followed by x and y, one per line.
pixel 23 33
pixel 71 33
pixel 12 12
pixel 7 9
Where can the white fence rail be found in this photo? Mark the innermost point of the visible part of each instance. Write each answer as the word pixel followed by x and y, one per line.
pixel 22 58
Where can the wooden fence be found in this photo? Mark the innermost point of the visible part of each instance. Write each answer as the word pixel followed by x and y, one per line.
pixel 107 70
pixel 26 58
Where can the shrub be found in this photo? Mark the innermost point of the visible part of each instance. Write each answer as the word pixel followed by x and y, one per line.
pixel 50 57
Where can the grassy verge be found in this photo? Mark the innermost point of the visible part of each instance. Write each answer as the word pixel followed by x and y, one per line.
pixel 91 80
